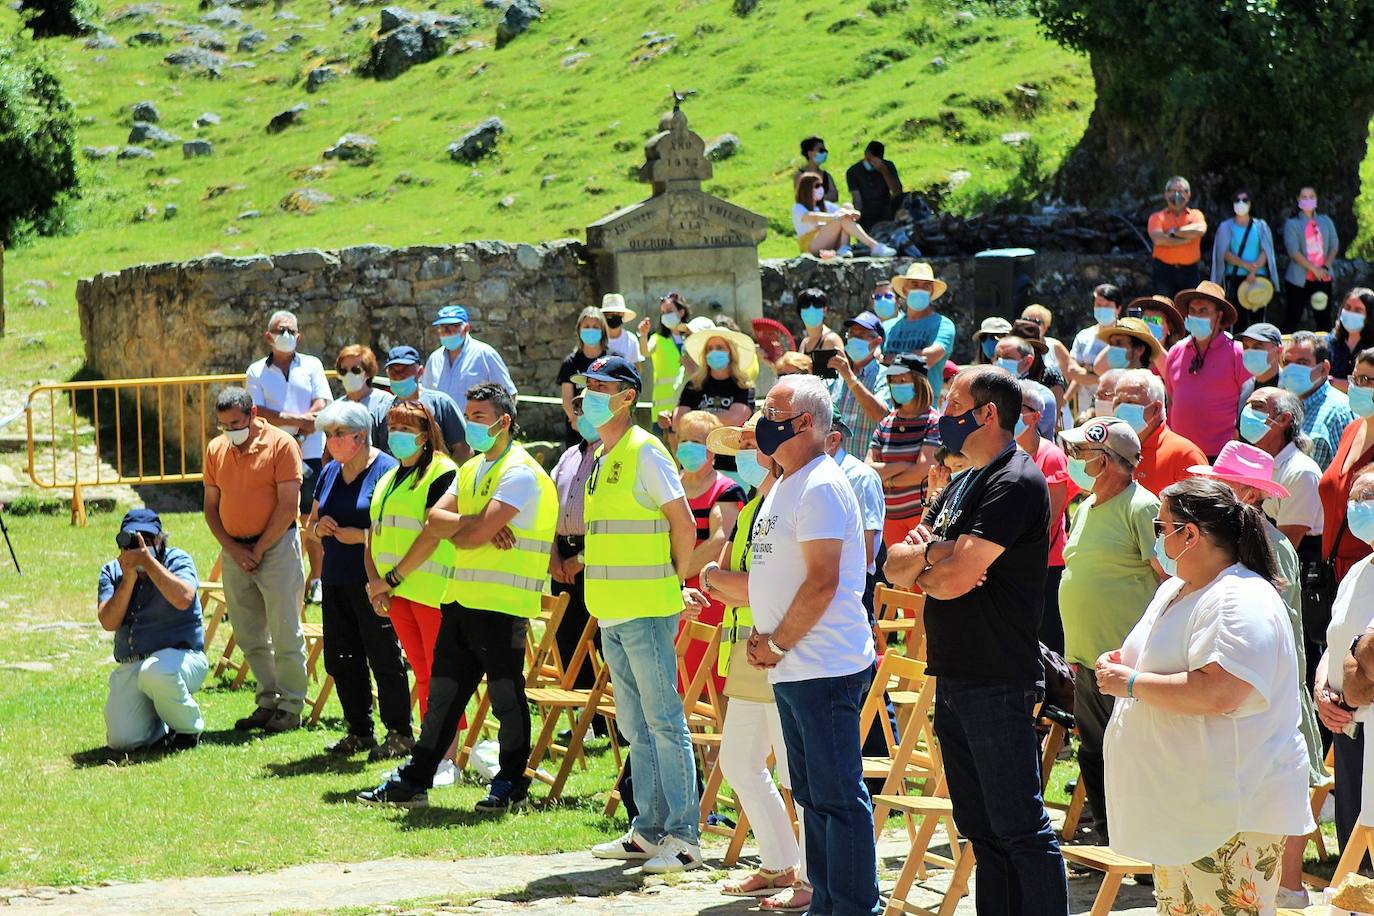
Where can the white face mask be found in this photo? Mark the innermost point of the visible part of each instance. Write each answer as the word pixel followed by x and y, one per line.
pixel 1241 207
pixel 284 342
pixel 238 436
pixel 819 194
pixel 354 382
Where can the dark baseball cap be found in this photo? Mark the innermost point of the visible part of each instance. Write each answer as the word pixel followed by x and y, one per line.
pixel 144 521
pixel 1264 332
pixel 869 322
pixel 914 363
pixel 610 369
pixel 402 356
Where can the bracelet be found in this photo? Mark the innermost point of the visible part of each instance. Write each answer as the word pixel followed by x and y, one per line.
pixel 392 578
pixel 703 578
pixel 1130 684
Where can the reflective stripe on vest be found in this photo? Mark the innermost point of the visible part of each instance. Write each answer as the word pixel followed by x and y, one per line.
pixel 648 526
pixel 389 560
pixel 497 577
pixel 631 572
pixel 398 512
pixel 403 522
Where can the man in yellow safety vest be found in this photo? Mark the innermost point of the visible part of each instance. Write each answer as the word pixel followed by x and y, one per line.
pixel 500 514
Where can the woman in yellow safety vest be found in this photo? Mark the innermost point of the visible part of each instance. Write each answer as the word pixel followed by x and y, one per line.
pixel 664 350
pixel 752 728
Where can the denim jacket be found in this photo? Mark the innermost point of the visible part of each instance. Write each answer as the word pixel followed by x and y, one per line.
pixel 151 622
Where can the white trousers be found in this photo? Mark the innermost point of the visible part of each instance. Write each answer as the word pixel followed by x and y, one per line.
pixel 751 731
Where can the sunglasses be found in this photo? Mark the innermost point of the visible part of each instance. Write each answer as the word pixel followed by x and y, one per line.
pixel 1159 526
pixel 356 370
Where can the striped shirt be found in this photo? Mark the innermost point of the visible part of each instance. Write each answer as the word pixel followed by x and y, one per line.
pixel 872 377
pixel 900 438
pixel 570 477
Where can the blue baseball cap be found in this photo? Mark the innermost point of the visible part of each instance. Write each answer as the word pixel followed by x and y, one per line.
pixel 450 314
pixel 610 369
pixel 402 356
pixel 869 322
pixel 144 521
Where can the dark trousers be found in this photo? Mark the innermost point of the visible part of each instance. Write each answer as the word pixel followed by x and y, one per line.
pixel 1170 279
pixel 1298 299
pixel 992 761
pixel 1051 626
pixel 1349 775
pixel 820 727
pixel 472 643
pixel 355 637
pixel 1091 710
pixel 571 626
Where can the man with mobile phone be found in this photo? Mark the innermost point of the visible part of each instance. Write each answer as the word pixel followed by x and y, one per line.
pixel 147 597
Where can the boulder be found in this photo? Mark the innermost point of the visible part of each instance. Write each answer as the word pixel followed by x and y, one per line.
pixel 572 60
pixel 356 148
pixel 318 77
pixel 134 13
pixel 94 153
pixel 519 16
pixel 305 200
pixel 101 42
pixel 226 17
pixel 145 38
pixel 203 37
pixel 288 118
pixel 478 142
pixel 252 41
pixel 723 147
pixel 408 38
pixel 143 132
pixel 193 148
pixel 197 60
pixel 170 211
pixel 146 111
pixel 135 152
pixel 207 119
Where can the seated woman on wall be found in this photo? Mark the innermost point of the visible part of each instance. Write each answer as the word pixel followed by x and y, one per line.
pixel 823 228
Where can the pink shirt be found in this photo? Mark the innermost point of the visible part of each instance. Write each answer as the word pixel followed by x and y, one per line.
pixel 1054 465
pixel 1204 405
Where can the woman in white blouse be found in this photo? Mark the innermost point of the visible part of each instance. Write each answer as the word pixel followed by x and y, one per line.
pixel 1206 769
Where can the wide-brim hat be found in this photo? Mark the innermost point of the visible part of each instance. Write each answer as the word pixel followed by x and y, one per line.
pixel 1242 463
pixel 993 327
pixel 746 356
pixel 1136 328
pixel 1208 292
pixel 1255 294
pixel 725 440
pixel 614 302
pixel 1032 334
pixel 1164 304
pixel 919 272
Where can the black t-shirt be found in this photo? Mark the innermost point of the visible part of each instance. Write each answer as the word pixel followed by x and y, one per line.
pixel 575 363
pixel 875 199
pixel 716 395
pixel 991 632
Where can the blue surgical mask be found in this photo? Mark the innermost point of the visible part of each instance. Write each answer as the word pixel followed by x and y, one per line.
pixel 1254 425
pixel 748 467
pixel 1157 329
pixel 904 393
pixel 885 307
pixel 1296 378
pixel 1352 321
pixel 1117 357
pixel 586 430
pixel 1020 428
pixel 596 407
pixel 452 341
pixel 1256 362
pixel 868 166
pixel 1104 314
pixel 821 157
pixel 1169 563
pixel 918 300
pixel 989 346
pixel 1199 327
pixel 403 444
pixel 857 349
pixel 1359 515
pixel 1133 414
pixel 812 316
pixel 590 336
pixel 692 455
pixel 404 387
pixel 1078 473
pixel 1361 401
pixel 1011 365
pixel 481 438
pixel 671 320
pixel 718 359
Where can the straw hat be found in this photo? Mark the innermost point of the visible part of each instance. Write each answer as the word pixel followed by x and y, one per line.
pixel 1255 294
pixel 1208 291
pixel 746 356
pixel 1245 464
pixel 1160 304
pixel 1319 301
pixel 725 440
pixel 1133 327
pixel 614 302
pixel 919 272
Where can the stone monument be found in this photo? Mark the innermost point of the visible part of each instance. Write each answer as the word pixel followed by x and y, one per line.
pixel 681 238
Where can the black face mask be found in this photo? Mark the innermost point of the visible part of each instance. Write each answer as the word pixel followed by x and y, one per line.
pixel 773 434
pixel 614 321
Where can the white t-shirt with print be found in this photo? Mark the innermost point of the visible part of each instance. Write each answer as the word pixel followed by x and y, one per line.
pixel 800 210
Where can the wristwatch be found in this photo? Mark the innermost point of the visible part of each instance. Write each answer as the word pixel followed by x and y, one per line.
pixel 775 648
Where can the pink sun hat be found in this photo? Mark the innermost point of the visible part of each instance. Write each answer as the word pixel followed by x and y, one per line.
pixel 1242 463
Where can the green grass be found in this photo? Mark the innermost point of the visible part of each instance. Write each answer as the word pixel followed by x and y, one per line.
pixel 234 804
pixel 788 70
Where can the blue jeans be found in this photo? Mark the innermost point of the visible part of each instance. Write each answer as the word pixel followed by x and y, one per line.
pixel 992 761
pixel 149 696
pixel 649 713
pixel 820 726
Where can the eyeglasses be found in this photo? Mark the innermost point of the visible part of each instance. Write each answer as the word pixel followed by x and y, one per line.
pixel 356 370
pixel 233 429
pixel 1159 526
pixel 775 415
pixel 1362 381
pixel 340 433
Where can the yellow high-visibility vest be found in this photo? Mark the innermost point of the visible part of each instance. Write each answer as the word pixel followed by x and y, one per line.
pixel 737 618
pixel 669 378
pixel 398 515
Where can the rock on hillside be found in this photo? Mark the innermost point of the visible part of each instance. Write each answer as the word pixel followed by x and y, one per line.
pixel 408 38
pixel 478 142
pixel 518 17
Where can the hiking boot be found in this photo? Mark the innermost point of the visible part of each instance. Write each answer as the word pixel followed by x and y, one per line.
pixel 396 791
pixel 503 796
pixel 258 718
pixel 283 721
pixel 676 854
pixel 177 741
pixel 394 747
pixel 351 744
pixel 630 847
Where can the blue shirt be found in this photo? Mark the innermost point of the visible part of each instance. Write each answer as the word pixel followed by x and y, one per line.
pixel 447 414
pixel 860 426
pixel 151 622
pixel 1326 414
pixel 348 504
pixel 912 335
pixel 474 364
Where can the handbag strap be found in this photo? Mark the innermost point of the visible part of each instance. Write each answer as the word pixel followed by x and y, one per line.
pixel 1240 253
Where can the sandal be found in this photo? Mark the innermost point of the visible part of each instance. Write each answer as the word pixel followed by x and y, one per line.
pixel 762 883
pixel 795 898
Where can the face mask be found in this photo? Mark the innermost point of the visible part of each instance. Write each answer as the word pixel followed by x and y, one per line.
pixel 238 436
pixel 1176 197
pixel 857 349
pixel 354 381
pixel 1020 429
pixel 691 455
pixel 1352 321
pixel 1102 408
pixel 285 342
pixel 1012 366
pixel 404 387
pixel 954 430
pixel 812 316
pixel 1296 378
pixel 481 438
pixel 904 394
pixel 1078 473
pixel 773 434
pixel 1117 357
pixel 819 194
pixel 1156 328
pixel 1104 314
pixel 1241 207
pixel 403 444
pixel 590 336
pixel 1361 401
pixel 671 320
pixel 821 157
pixel 1307 204
pixel 596 407
pixel 1256 362
pixel 718 359
pixel 345 449
pixel 1359 515
pixel 1199 327
pixel 586 430
pixel 1169 563
pixel 451 341
pixel 918 300
pixel 748 467
pixel 868 166
pixel 1254 425
pixel 885 307
pixel 1133 414
pixel 989 347
pixel 614 321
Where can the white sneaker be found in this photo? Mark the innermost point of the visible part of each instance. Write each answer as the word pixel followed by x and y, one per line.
pixel 1328 815
pixel 1289 899
pixel 314 592
pixel 883 251
pixel 445 774
pixel 674 855
pixel 843 251
pixel 630 847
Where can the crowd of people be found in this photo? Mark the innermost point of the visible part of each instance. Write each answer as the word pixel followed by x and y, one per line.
pixel 1178 504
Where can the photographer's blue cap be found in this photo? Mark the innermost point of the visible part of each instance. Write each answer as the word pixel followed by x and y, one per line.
pixel 450 314
pixel 402 356
pixel 610 369
pixel 144 521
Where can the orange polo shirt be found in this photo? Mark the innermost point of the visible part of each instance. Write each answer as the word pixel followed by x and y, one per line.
pixel 247 478
pixel 1163 221
pixel 1165 458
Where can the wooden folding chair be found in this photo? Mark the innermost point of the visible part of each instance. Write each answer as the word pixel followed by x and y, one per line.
pixel 931 809
pixel 1113 864
pixel 899 613
pixel 314 652
pixel 1318 796
pixel 909 756
pixel 1360 844
pixel 553 702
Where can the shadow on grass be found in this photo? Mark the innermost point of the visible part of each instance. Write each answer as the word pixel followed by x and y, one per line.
pixel 315 765
pixel 106 756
